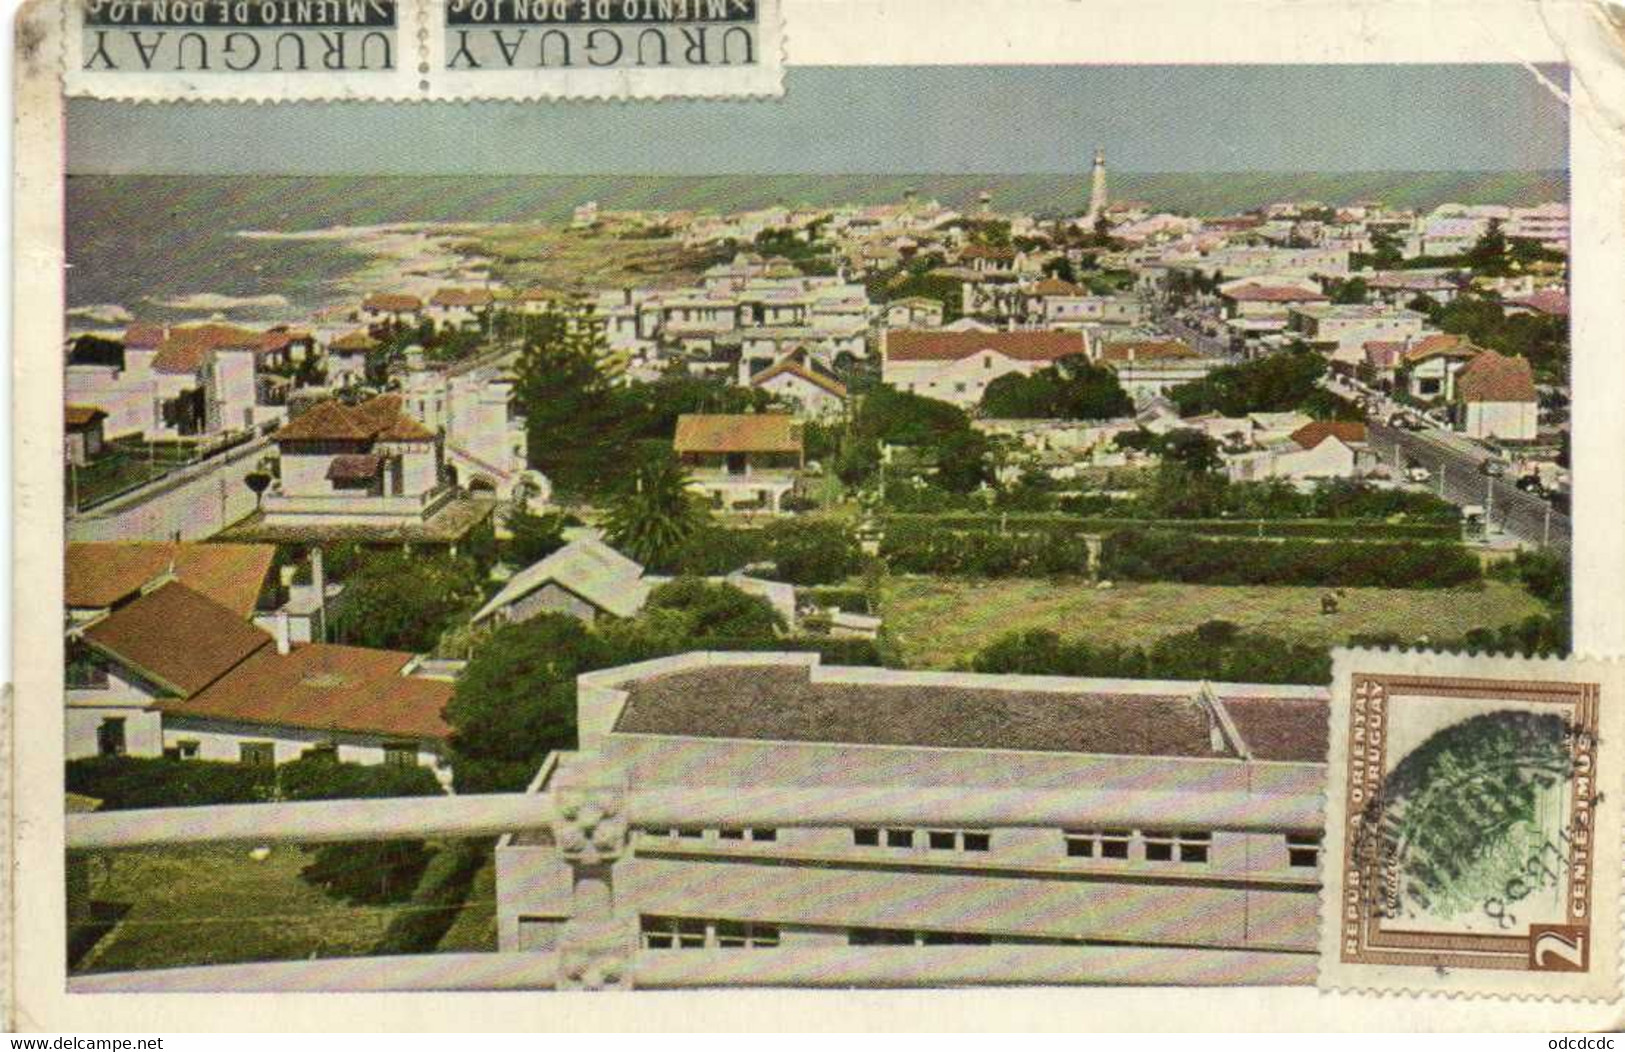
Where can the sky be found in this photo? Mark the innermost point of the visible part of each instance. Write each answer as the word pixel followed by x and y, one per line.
pixel 944 119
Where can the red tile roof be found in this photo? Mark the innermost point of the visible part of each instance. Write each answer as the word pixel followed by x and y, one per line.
pixel 461 298
pixel 794 368
pixel 378 419
pixel 354 467
pixel 324 687
pixel 144 335
pixel 1147 351
pixel 1030 345
pixel 359 340
pixel 1493 377
pixel 736 433
pixel 1056 287
pixel 186 349
pixel 1546 301
pixel 1384 354
pixel 81 416
pixel 1310 435
pixel 100 573
pixel 1274 294
pixel 988 252
pixel 1448 344
pixel 177 638
pixel 392 303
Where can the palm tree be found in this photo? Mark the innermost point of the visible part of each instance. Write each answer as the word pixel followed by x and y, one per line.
pixel 651 520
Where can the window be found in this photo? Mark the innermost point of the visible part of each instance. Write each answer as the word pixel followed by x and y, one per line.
pixel 899 838
pixel 187 748
pixel 879 937
pixel 1114 843
pixel 690 834
pixel 110 738
pixel 257 754
pixel 1183 846
pixel 1303 850
pixel 756 836
pixel 735 934
pixel 400 754
pixel 673 933
pixel 866 837
pixel 696 933
pixel 957 840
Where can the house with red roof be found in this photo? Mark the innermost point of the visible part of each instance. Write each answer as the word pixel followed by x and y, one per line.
pixel 172 670
pixel 181 382
pixel 459 308
pixel 740 461
pixel 1496 398
pixel 956 366
pixel 1320 449
pixel 397 307
pixel 798 382
pixel 368 464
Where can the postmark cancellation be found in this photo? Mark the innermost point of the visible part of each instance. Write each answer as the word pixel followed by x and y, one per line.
pixel 1473 834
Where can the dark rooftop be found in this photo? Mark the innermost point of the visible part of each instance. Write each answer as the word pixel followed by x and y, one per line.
pixel 1291 729
pixel 782 704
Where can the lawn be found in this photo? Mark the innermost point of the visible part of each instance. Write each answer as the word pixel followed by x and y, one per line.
pixel 941 622
pixel 217 905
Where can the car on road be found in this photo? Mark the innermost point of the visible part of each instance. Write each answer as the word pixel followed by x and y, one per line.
pixel 1532 485
pixel 1418 473
pixel 1492 468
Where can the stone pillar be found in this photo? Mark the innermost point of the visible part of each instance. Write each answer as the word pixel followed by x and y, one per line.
pixel 598 943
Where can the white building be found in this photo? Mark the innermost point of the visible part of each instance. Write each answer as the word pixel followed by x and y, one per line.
pixel 957 366
pixel 174 672
pixel 1497 399
pixel 369 464
pixel 767 723
pixel 741 462
pixel 1341 330
pixel 189 381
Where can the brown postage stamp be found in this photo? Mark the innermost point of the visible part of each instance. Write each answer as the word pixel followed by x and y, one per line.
pixel 1472 838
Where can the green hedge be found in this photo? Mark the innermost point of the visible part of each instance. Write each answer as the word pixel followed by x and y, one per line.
pixel 126 782
pixel 441 894
pixel 984 553
pixel 1159 555
pixel 1325 529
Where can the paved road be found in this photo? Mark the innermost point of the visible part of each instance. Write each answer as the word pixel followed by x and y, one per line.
pixel 1208 346
pixel 1457 478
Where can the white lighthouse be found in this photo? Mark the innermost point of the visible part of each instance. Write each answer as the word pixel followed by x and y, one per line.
pixel 1097 189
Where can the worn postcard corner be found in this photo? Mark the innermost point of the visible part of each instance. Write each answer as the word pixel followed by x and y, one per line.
pixel 1472 826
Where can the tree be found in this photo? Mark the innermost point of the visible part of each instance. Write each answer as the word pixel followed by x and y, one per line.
pixel 1193 450
pixel 1347 290
pixel 962 461
pixel 571 427
pixel 708 613
pixel 1489 253
pixel 532 537
pixel 651 519
pixel 1061 268
pixel 808 552
pixel 1071 389
pixel 364 872
pixel 1274 384
pixel 397 601
pixel 257 482
pixel 516 700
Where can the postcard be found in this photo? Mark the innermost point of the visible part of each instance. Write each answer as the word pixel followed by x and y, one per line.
pixel 756 499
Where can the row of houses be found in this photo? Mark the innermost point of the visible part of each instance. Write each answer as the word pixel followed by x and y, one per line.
pixel 199 651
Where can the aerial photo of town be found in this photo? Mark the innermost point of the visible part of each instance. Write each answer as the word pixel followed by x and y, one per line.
pixel 823 485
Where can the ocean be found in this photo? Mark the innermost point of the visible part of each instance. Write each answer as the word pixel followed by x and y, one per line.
pixel 168 248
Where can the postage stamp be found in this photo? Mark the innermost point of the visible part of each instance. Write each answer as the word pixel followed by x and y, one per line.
pixel 583 496
pixel 1473 833
pixel 283 50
